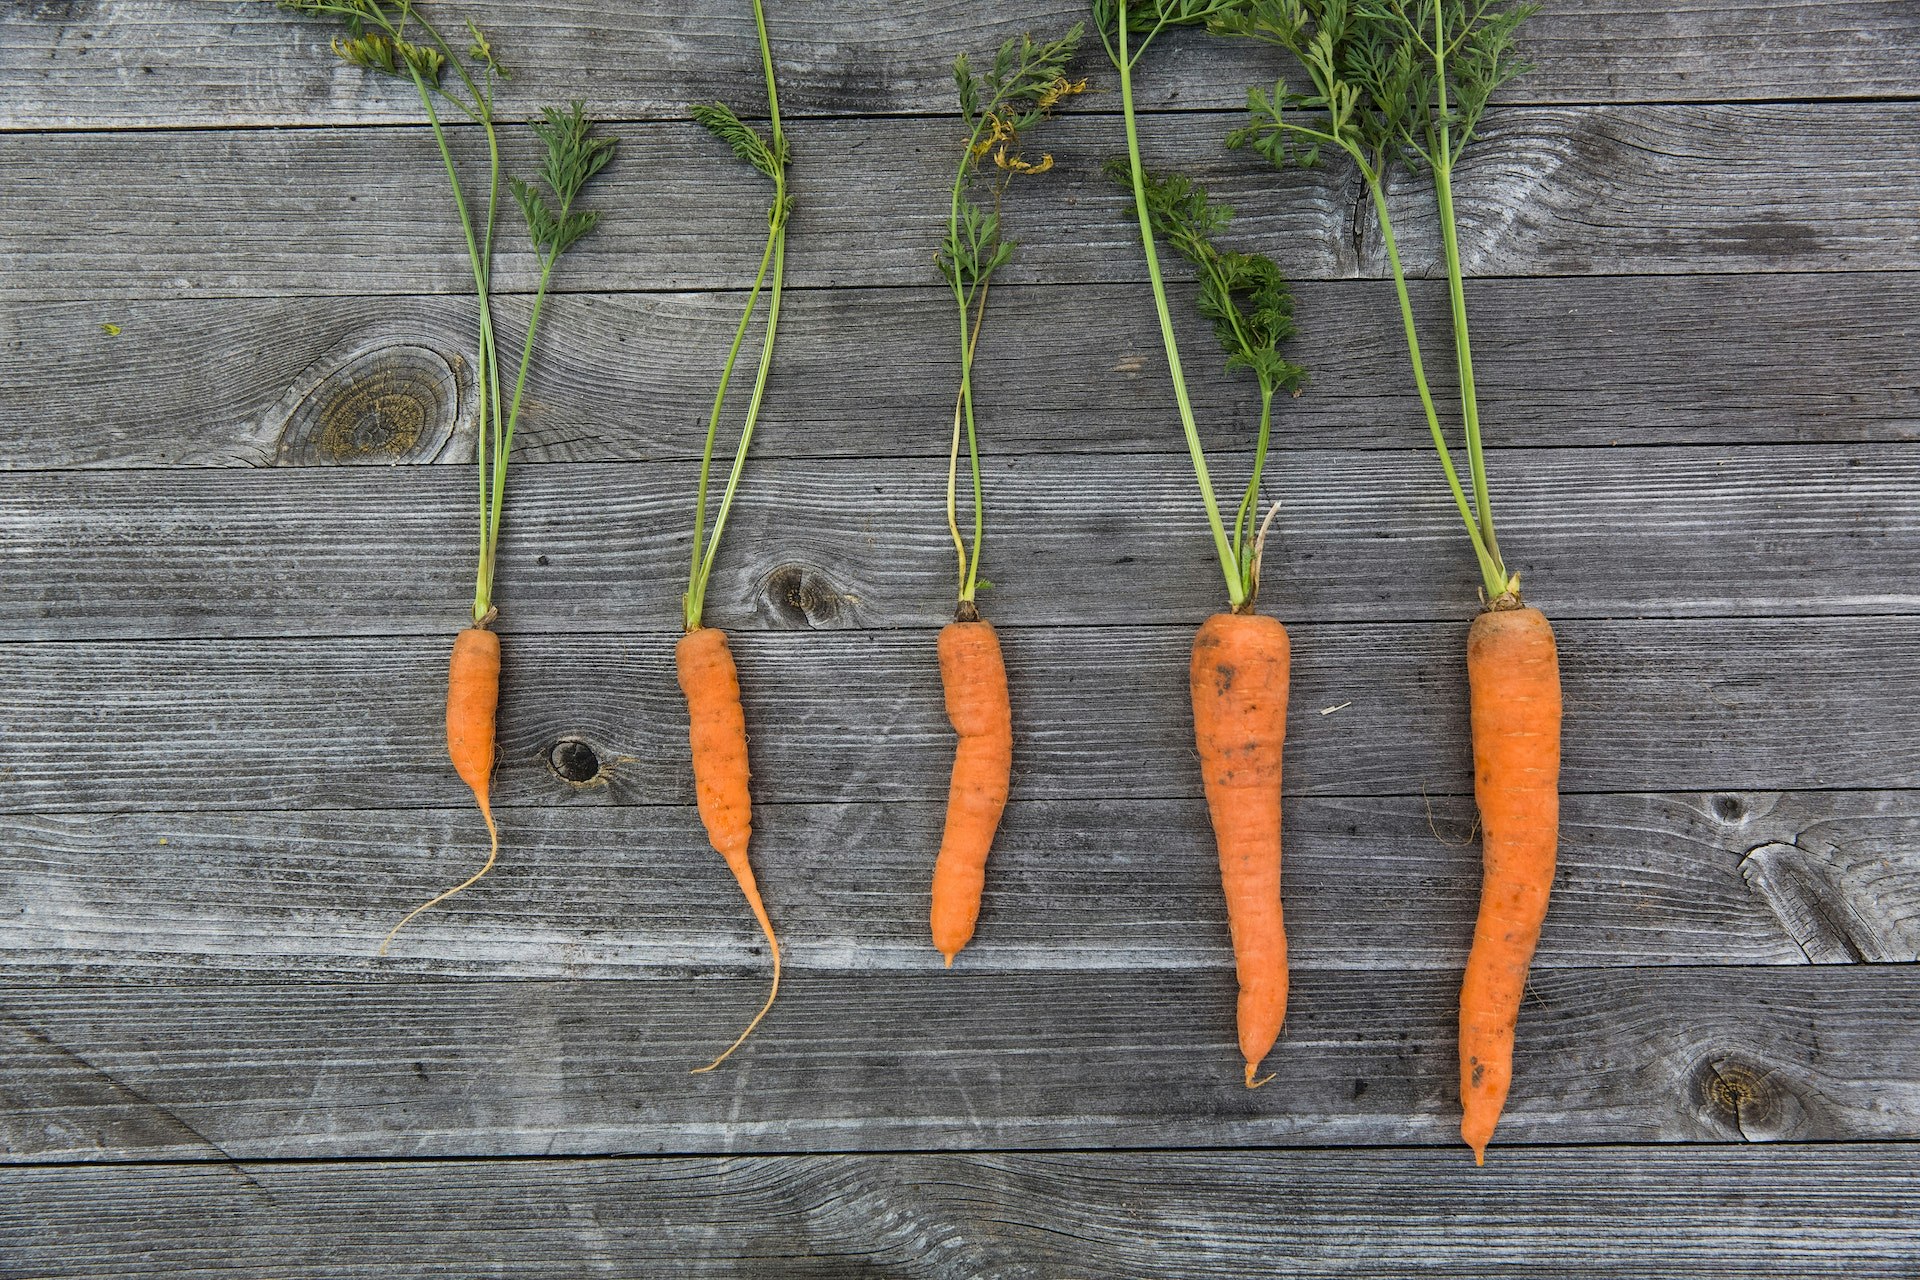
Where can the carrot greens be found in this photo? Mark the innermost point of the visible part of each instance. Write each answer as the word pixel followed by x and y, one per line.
pixel 769 154
pixel 1244 294
pixel 999 105
pixel 392 37
pixel 1396 82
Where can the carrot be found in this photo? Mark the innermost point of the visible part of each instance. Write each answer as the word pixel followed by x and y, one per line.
pixel 1021 85
pixel 1239 672
pixel 473 696
pixel 717 733
pixel 975 679
pixel 716 725
pixel 1513 674
pixel 1408 84
pixel 1239 685
pixel 391 37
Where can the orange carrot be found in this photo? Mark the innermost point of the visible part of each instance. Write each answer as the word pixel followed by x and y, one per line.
pixel 1513 672
pixel 1239 685
pixel 717 732
pixel 473 696
pixel 975 679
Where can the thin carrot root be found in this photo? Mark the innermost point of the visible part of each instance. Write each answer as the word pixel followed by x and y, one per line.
pixel 1239 680
pixel 493 854
pixel 473 701
pixel 717 734
pixel 766 926
pixel 1513 673
pixel 975 680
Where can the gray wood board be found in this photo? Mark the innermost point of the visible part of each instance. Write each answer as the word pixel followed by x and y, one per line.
pixel 1743 704
pixel 1731 1213
pixel 1362 536
pixel 1112 885
pixel 1546 192
pixel 162 63
pixel 939 1060
pixel 1703 360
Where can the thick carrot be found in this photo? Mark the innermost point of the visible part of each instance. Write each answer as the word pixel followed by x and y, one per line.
pixel 1513 672
pixel 717 732
pixel 1239 684
pixel 975 679
pixel 473 696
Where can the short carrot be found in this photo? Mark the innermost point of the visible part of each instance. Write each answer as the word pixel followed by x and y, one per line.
pixel 975 680
pixel 473 698
pixel 1239 683
pixel 1239 671
pixel 1513 676
pixel 717 726
pixel 392 37
pixel 1408 84
pixel 1019 88
pixel 717 734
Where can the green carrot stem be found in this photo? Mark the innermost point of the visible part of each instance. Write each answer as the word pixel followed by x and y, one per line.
pixel 746 428
pixel 483 587
pixel 1491 572
pixel 963 404
pixel 713 418
pixel 1463 349
pixel 702 570
pixel 1236 593
pixel 1249 502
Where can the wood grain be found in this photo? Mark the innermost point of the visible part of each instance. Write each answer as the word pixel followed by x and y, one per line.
pixel 884 1061
pixel 1547 192
pixel 1114 886
pixel 1363 536
pixel 855 716
pixel 69 64
pixel 1733 1213
pixel 1643 360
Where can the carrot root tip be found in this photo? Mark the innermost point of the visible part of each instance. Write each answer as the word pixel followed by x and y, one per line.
pixel 1255 1084
pixel 493 855
pixel 950 955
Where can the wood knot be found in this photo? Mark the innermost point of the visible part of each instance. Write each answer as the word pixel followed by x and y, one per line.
pixel 1749 1100
pixel 1729 808
pixel 799 597
pixel 575 762
pixel 390 404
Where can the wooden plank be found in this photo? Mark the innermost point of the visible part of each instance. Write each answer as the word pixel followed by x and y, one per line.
pixel 1632 360
pixel 889 1061
pixel 1621 1213
pixel 162 64
pixel 1365 536
pixel 1548 192
pixel 1720 878
pixel 856 716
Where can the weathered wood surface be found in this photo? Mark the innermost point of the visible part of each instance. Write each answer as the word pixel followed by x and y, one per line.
pixel 221 774
pixel 856 715
pixel 1548 191
pixel 1828 877
pixel 875 1060
pixel 69 64
pixel 1717 360
pixel 1364 536
pixel 1802 1211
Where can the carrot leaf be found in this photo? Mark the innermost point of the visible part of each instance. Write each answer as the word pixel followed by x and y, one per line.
pixel 1022 84
pixel 1244 294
